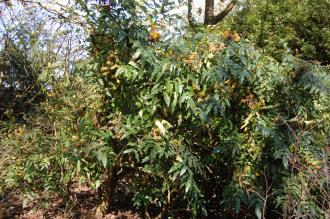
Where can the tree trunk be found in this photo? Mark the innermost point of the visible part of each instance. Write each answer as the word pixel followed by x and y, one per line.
pixel 209 12
pixel 190 19
pixel 108 189
pixel 209 18
pixel 261 41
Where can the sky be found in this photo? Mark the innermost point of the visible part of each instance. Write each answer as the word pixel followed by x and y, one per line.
pixel 14 18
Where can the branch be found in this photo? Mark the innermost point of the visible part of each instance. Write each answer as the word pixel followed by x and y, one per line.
pixel 72 16
pixel 190 18
pixel 217 18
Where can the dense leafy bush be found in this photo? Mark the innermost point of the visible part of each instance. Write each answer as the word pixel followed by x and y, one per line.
pixel 276 26
pixel 182 122
pixel 19 87
pixel 191 123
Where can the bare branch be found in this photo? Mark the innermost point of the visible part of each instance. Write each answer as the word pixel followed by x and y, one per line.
pixel 210 18
pixel 219 17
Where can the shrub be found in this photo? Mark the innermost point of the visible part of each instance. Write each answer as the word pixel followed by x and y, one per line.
pixel 186 124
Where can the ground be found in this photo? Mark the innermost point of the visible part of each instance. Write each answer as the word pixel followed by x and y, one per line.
pixel 82 204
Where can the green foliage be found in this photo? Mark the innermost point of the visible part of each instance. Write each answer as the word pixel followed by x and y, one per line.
pixel 189 123
pixel 181 119
pixel 302 26
pixel 19 88
pixel 57 143
pixel 187 115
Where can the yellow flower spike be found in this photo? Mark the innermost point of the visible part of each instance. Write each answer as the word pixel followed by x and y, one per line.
pixel 74 137
pixel 154 35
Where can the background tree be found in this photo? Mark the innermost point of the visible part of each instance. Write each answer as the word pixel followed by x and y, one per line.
pixel 19 88
pixel 278 25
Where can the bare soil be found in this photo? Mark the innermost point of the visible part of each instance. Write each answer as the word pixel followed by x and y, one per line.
pixel 82 204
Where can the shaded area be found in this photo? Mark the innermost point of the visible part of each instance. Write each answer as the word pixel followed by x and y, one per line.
pixel 83 203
